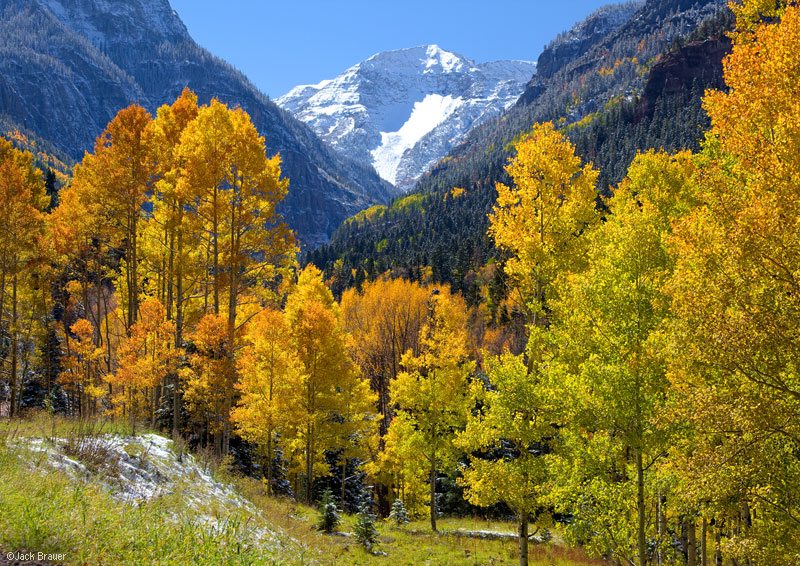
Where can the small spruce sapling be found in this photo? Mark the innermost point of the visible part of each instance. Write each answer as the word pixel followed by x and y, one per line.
pixel 329 517
pixel 364 529
pixel 399 514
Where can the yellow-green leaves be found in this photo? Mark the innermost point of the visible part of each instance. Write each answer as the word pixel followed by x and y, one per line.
pixel 751 13
pixel 610 319
pixel 540 218
pixel 515 416
pixel 432 394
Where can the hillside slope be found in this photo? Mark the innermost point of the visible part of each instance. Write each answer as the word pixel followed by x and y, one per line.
pixel 68 66
pixel 94 497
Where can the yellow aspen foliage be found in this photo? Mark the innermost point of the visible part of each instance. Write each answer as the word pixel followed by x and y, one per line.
pixel 398 465
pixel 757 119
pixel 432 393
pixel 539 218
pixel 750 14
pixel 356 422
pixel 163 249
pixel 268 369
pixel 228 181
pixel 327 374
pixel 82 241
pixel 540 222
pixel 209 379
pixel 383 321
pixel 113 184
pixel 735 292
pixel 173 268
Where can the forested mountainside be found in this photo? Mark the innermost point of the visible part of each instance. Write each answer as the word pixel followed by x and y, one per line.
pixel 68 66
pixel 403 110
pixel 574 42
pixel 636 88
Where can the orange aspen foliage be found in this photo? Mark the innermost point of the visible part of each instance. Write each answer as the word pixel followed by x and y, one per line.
pixel 113 185
pixel 146 356
pixel 736 293
pixel 209 379
pixel 81 376
pixel 23 199
pixel 383 322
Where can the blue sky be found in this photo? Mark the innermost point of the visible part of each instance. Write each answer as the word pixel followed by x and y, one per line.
pixel 282 44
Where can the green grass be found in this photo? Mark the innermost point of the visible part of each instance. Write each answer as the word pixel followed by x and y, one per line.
pixel 40 424
pixel 412 544
pixel 46 510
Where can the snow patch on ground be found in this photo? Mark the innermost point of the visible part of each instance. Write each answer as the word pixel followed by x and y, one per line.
pixel 425 116
pixel 138 469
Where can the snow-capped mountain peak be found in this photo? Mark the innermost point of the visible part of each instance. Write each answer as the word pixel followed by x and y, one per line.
pixel 403 110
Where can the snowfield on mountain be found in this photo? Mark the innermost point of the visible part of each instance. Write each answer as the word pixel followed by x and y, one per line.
pixel 404 110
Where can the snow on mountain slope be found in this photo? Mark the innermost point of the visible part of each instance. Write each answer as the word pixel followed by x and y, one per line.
pixel 404 110
pixel 104 22
pixel 426 115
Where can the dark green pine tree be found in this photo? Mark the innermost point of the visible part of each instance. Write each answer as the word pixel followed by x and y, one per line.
pixel 51 187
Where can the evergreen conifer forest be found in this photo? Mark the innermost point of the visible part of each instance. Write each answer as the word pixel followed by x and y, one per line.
pixel 591 345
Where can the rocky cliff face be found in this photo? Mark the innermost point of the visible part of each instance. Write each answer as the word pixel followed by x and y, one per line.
pixel 403 110
pixel 54 82
pixel 629 34
pixel 697 62
pixel 68 66
pixel 572 44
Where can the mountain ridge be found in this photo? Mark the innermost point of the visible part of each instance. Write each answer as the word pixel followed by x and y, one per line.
pixel 69 65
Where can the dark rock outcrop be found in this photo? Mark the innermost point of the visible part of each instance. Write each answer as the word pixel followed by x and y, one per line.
pixel 698 62
pixel 631 29
pixel 573 43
